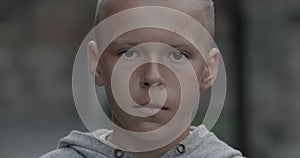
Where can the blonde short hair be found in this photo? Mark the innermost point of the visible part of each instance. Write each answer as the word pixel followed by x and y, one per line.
pixel 206 5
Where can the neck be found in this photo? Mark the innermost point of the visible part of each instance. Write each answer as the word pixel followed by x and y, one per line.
pixel 159 152
pixel 118 136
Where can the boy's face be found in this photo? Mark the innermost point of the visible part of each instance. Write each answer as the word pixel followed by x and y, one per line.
pixel 150 44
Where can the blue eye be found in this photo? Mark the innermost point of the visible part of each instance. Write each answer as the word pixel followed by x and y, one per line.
pixel 178 55
pixel 129 54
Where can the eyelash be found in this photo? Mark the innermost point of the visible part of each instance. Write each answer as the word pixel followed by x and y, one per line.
pixel 121 52
pixel 184 53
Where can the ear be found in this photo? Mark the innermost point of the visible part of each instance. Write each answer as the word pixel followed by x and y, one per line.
pixel 210 70
pixel 92 52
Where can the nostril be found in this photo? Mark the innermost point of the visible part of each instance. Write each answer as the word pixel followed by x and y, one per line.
pixel 147 84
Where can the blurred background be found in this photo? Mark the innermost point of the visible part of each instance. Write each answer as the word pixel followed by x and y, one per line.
pixel 259 41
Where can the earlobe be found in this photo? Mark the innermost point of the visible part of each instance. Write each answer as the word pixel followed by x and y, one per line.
pixel 92 52
pixel 210 70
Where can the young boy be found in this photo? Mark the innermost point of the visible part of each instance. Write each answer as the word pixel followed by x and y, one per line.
pixel 155 88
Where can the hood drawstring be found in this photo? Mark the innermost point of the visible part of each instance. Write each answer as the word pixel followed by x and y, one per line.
pixel 180 148
pixel 119 153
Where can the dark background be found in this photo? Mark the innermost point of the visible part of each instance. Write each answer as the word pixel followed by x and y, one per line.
pixel 259 41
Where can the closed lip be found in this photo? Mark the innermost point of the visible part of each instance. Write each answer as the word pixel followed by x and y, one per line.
pixel 152 106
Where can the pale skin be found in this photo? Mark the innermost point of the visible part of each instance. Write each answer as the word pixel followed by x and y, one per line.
pixel 150 73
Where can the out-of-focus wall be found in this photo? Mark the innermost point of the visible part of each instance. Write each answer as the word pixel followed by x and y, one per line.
pixel 38 43
pixel 272 77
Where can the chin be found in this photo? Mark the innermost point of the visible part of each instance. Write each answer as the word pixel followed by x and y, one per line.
pixel 146 126
pixel 148 133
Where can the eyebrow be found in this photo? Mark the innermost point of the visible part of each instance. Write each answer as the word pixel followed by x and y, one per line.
pixel 132 43
pixel 123 41
pixel 185 45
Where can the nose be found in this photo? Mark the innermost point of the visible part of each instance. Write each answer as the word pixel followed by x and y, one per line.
pixel 152 75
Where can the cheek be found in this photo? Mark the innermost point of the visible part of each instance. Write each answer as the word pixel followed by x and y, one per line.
pixel 106 66
pixel 199 72
pixel 138 94
pixel 198 66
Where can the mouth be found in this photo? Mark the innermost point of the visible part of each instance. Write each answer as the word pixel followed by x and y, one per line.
pixel 151 108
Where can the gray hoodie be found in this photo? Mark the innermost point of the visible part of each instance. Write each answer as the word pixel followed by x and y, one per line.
pixel 199 144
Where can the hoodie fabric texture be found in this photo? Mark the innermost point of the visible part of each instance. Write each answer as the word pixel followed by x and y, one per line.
pixel 199 144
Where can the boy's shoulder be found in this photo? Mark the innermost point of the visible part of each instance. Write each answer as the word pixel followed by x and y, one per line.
pixel 200 143
pixel 79 144
pixel 203 143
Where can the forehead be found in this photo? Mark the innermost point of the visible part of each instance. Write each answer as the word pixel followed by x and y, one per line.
pixel 139 36
pixel 145 35
pixel 193 8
